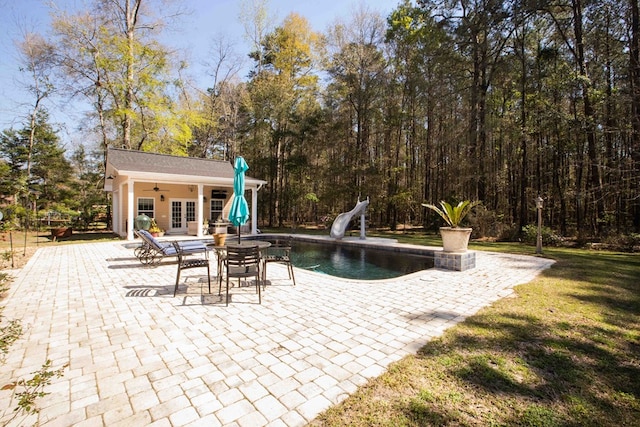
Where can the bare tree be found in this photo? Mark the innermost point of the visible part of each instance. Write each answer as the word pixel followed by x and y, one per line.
pixel 257 22
pixel 358 66
pixel 110 55
pixel 37 59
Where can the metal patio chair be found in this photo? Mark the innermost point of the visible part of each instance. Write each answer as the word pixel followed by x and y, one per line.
pixel 278 252
pixel 185 262
pixel 242 262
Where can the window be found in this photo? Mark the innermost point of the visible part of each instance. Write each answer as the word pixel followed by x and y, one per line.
pixel 145 207
pixel 190 207
pixel 216 210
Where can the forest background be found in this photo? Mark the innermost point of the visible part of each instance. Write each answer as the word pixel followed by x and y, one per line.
pixel 490 100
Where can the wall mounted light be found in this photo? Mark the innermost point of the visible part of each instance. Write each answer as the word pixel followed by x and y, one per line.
pixel 204 199
pixel 162 197
pixel 108 183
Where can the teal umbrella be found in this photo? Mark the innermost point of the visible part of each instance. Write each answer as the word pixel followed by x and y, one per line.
pixel 239 213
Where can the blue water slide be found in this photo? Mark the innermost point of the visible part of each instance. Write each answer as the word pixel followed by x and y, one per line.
pixel 342 221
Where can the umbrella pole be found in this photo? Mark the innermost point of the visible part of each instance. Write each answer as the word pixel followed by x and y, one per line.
pixel 239 234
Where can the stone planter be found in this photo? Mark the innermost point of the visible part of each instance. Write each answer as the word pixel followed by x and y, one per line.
pixel 455 239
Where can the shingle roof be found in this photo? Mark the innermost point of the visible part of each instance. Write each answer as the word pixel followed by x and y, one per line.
pixel 130 160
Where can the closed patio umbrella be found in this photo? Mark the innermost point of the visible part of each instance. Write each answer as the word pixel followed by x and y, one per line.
pixel 239 213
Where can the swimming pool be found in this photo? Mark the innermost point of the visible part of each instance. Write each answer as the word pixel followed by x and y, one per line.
pixel 356 262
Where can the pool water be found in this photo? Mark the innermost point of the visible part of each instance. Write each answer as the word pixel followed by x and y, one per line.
pixel 352 262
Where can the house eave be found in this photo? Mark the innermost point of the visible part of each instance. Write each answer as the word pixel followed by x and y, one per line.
pixel 184 179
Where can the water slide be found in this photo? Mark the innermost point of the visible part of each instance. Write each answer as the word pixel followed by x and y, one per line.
pixel 342 221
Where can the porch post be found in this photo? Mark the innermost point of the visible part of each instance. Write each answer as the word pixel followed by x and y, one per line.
pixel 130 209
pixel 116 215
pixel 254 210
pixel 200 209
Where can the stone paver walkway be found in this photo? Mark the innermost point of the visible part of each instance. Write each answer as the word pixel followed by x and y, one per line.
pixel 139 356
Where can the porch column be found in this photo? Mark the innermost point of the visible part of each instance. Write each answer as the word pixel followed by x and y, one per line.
pixel 254 210
pixel 130 209
pixel 115 210
pixel 200 211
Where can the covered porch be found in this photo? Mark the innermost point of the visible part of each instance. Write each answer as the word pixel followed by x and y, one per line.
pixel 182 194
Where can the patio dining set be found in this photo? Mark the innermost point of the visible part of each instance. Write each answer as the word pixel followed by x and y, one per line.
pixel 243 259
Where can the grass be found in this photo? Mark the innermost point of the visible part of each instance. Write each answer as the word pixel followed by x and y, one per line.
pixel 37 238
pixel 565 351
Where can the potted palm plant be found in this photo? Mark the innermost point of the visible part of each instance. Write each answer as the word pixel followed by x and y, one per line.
pixel 454 237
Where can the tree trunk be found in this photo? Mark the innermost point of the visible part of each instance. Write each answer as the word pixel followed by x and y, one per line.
pixel 131 16
pixel 523 134
pixel 594 183
pixel 634 53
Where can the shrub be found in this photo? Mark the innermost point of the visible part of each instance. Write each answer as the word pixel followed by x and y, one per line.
pixel 509 233
pixel 486 223
pixel 549 238
pixel 623 242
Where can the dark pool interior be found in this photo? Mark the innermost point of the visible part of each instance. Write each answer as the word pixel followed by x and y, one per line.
pixel 356 262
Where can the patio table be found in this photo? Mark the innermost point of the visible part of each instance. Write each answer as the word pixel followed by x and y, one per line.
pixel 221 250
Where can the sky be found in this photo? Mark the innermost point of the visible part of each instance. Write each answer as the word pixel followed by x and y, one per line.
pixel 191 35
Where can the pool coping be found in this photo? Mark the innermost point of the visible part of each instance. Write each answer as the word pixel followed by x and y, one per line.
pixel 372 242
pixel 453 261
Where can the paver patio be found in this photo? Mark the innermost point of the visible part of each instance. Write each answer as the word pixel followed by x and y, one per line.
pixel 139 356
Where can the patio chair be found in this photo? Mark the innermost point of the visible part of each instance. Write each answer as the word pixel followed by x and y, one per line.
pixel 278 252
pixel 185 263
pixel 242 262
pixel 221 254
pixel 152 251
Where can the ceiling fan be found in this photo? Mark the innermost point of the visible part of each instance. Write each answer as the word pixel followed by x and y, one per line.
pixel 156 188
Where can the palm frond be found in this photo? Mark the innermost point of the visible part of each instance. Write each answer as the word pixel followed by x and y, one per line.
pixel 452 215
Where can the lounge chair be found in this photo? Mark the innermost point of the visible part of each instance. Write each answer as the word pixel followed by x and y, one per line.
pixel 152 251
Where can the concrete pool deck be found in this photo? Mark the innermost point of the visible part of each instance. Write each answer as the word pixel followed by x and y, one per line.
pixel 139 356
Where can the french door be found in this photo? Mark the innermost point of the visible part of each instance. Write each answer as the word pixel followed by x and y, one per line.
pixel 182 211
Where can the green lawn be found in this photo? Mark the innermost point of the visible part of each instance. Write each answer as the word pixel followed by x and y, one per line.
pixel 565 351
